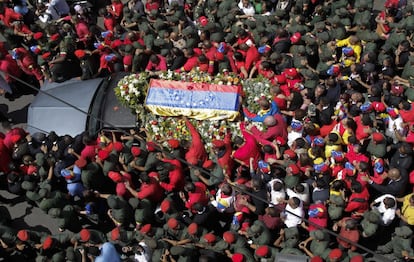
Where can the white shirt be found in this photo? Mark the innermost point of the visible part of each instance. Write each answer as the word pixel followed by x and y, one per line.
pixel 144 256
pixel 293 216
pixel 387 214
pixel 390 128
pixel 304 197
pixel 249 10
pixel 292 136
pixel 276 195
pixel 224 205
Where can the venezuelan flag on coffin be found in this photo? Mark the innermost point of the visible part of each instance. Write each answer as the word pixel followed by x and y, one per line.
pixel 195 100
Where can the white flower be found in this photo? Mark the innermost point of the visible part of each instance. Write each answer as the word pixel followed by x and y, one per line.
pixel 127 98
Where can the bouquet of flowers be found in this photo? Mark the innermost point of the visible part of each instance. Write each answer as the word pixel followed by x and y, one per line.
pixel 253 90
pixel 131 91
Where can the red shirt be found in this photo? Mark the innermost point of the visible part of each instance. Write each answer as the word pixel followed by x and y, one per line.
pixel 198 196
pixel 176 177
pixel 152 6
pixel 189 64
pixel 8 137
pixel 27 63
pixel 9 66
pixel 151 191
pixel 82 30
pixel 252 56
pixel 407 115
pixel 248 150
pixel 5 157
pixel 352 235
pixel 9 16
pixel 89 152
pixel 161 66
pixel 358 202
pixel 360 131
pixel 410 137
pixel 225 161
pixel 197 152
pixel 321 219
pixel 116 9
pixel 109 23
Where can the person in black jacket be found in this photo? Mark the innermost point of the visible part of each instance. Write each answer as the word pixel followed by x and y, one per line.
pixel 395 184
pixel 402 158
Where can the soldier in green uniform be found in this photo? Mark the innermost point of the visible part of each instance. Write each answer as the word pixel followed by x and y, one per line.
pixel 400 246
pixel 319 241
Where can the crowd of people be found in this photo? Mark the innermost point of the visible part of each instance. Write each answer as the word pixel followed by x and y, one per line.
pixel 335 153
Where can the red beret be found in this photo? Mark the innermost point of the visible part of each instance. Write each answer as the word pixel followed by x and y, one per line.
pixel 377 137
pixel 31 169
pixel 46 55
pixel 357 258
pixel 165 206
pixel 23 235
pixel 55 37
pixel 237 257
pixel 294 168
pixel 37 35
pixel 47 243
pixel 85 235
pixel 135 151
pixel 128 60
pixel 295 38
pixel 172 223
pixel 228 236
pixel 192 228
pixel 145 229
pixel 115 234
pixel 316 259
pixel 280 141
pixel 151 146
pixel 291 72
pixel 208 164
pixel 81 162
pixel 218 143
pixel 120 189
pixel 262 251
pixel 103 154
pixel 203 20
pixel 397 89
pixel 280 79
pixel 118 146
pixel 173 143
pixel 209 238
pixel 80 53
pixel 115 176
pixel 335 253
pixel 290 153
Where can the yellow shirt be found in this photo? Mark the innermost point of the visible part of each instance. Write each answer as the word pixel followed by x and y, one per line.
pixel 407 210
pixel 357 51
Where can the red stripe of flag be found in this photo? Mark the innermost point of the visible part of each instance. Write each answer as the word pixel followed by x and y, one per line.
pixel 156 83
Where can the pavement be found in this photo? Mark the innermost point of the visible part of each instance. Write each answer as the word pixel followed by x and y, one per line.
pixel 23 216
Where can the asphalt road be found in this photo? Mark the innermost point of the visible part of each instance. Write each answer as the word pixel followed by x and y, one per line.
pixel 23 216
